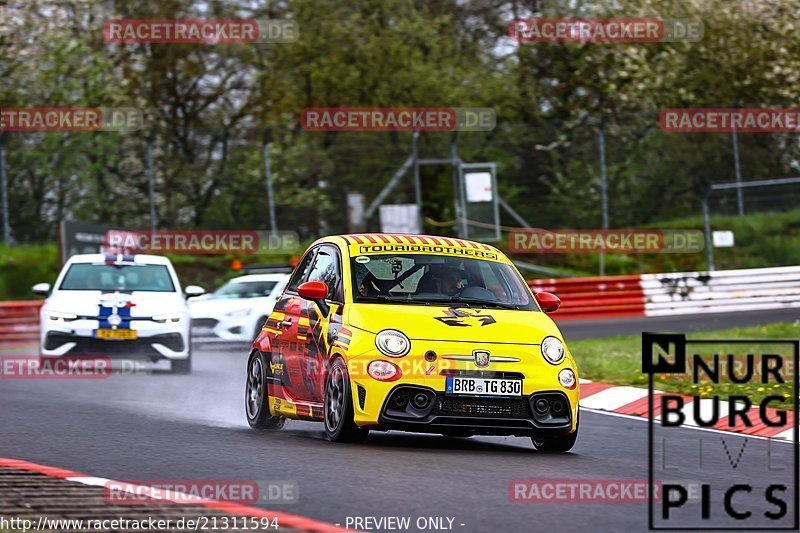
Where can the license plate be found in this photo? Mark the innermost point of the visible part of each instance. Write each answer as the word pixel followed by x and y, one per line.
pixel 484 386
pixel 116 334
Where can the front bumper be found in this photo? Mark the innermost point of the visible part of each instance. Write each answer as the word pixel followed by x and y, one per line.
pixel 154 341
pixel 373 399
pixel 229 329
pixel 421 409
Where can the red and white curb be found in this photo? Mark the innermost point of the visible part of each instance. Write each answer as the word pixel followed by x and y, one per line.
pixel 633 401
pixel 284 519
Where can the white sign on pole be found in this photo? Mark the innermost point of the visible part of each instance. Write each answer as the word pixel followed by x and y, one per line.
pixel 722 239
pixel 479 186
pixel 355 211
pixel 400 218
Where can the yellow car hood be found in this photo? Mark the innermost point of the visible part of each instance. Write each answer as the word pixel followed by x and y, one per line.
pixel 444 323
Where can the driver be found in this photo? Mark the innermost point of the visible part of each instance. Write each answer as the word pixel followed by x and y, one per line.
pixel 448 280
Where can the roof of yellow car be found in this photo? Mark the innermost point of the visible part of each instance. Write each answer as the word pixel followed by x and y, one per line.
pixel 402 238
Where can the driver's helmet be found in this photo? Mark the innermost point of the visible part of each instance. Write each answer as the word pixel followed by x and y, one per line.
pixel 440 270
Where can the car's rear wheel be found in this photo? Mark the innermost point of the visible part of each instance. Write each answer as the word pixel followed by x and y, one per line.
pixel 556 443
pixel 338 407
pixel 256 397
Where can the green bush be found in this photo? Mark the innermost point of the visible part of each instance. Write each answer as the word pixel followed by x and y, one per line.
pixel 21 267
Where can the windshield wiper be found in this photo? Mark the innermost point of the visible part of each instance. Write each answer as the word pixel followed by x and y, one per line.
pixel 469 302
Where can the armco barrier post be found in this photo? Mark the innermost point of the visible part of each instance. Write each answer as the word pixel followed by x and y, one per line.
pixel 707 231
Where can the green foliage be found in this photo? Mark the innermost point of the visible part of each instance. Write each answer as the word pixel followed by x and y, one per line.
pixel 764 239
pixel 211 104
pixel 23 267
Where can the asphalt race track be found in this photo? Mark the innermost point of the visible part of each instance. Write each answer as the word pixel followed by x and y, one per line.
pixel 171 427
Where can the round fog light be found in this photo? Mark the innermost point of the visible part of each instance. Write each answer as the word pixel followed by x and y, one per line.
pixel 420 400
pixel 558 407
pixel 541 406
pixel 567 379
pixel 383 371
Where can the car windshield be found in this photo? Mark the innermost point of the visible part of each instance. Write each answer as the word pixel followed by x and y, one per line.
pixel 244 289
pixel 103 277
pixel 427 279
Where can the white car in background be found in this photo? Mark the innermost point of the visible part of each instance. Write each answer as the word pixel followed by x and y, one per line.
pixel 117 306
pixel 237 310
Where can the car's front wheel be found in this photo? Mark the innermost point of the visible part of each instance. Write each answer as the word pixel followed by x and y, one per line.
pixel 256 396
pixel 338 407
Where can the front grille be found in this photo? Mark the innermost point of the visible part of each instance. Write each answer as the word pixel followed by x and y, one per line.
pixel 486 374
pixel 480 407
pixel 92 346
pixel 204 323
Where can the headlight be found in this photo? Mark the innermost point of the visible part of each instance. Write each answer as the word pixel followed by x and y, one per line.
pixel 57 316
pixel 392 343
pixel 553 350
pixel 239 313
pixel 170 318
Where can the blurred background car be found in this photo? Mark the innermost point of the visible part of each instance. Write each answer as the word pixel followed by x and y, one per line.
pixel 238 309
pixel 117 305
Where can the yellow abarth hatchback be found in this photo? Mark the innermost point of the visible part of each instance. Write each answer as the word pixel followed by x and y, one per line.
pixel 415 333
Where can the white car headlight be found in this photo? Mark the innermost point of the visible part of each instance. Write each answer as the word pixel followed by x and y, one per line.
pixel 239 313
pixel 169 318
pixel 553 350
pixel 392 343
pixel 57 316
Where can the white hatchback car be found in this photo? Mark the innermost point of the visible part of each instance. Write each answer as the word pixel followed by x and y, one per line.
pixel 237 310
pixel 117 305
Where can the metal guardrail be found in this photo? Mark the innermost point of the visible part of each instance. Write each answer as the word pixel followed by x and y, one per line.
pixel 675 293
pixel 611 296
pixel 599 297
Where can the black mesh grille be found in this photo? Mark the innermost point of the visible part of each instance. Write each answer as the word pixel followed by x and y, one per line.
pixel 203 323
pixel 478 407
pixel 92 346
pixel 482 374
pixel 362 396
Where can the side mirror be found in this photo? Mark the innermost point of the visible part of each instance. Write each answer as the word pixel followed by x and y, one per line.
pixel 315 291
pixel 42 288
pixel 548 301
pixel 193 291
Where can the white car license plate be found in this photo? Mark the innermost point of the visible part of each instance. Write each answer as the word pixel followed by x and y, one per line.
pixel 484 386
